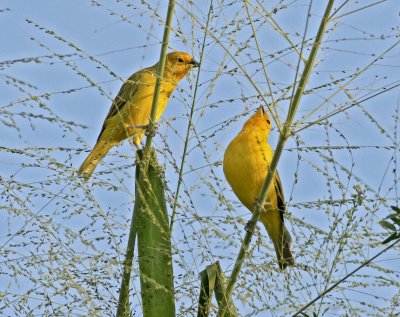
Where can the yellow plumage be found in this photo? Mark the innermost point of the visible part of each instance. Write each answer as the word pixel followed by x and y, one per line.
pixel 130 111
pixel 246 162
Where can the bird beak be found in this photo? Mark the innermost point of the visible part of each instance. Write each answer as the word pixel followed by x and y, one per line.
pixel 194 63
pixel 261 110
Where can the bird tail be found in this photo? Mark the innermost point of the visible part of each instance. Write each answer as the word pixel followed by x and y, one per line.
pixel 282 249
pixel 89 165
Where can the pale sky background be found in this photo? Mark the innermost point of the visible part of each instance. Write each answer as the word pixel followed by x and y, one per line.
pixel 122 37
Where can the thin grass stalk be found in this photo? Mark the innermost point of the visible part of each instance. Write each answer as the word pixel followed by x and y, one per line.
pixel 262 61
pixel 341 88
pixel 303 43
pixel 344 278
pixel 345 108
pixel 276 26
pixel 238 64
pixel 185 147
pixel 123 305
pixel 355 11
pixel 160 74
pixel 286 133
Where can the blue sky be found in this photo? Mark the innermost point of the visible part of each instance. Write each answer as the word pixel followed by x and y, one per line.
pixel 63 216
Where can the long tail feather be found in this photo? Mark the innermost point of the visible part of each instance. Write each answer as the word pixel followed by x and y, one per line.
pixel 89 165
pixel 282 249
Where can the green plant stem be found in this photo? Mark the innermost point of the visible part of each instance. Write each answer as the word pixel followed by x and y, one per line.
pixel 238 64
pixel 309 65
pixel 160 74
pixel 124 289
pixel 286 133
pixel 341 88
pixel 268 17
pixel 154 242
pixel 262 61
pixel 345 278
pixel 354 11
pixel 123 307
pixel 185 148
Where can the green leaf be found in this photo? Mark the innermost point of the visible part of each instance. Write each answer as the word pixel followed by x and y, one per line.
pixel 213 281
pixel 154 240
pixel 392 237
pixel 395 218
pixel 396 221
pixel 208 278
pixel 387 225
pixel 396 209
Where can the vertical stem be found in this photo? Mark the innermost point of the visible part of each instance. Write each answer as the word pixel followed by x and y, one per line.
pixel 178 187
pixel 123 306
pixel 286 132
pixel 309 65
pixel 154 242
pixel 123 301
pixel 160 72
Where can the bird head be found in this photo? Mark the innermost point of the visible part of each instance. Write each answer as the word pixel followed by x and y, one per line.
pixel 178 64
pixel 259 120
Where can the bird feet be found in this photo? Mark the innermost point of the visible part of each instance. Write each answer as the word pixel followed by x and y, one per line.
pixel 248 227
pixel 153 132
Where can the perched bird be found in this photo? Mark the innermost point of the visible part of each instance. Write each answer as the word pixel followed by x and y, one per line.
pixel 130 111
pixel 246 163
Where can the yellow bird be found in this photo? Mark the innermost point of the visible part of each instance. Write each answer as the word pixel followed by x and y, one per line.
pixel 130 111
pixel 246 163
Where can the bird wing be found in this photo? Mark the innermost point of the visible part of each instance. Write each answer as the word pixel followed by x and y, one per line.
pixel 127 91
pixel 279 195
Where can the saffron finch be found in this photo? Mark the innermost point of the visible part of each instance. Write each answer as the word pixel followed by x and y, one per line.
pixel 130 111
pixel 246 163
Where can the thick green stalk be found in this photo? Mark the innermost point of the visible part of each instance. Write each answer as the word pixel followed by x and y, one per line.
pixel 154 242
pixel 142 169
pixel 286 132
pixel 123 301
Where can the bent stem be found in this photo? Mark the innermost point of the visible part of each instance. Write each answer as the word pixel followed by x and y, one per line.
pixel 283 137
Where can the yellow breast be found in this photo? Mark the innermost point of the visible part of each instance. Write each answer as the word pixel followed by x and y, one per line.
pixel 246 162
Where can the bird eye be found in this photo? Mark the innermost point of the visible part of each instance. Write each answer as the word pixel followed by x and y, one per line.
pixel 269 122
pixel 180 60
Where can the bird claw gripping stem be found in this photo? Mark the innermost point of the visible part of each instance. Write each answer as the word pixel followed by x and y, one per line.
pixel 248 227
pixel 153 132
